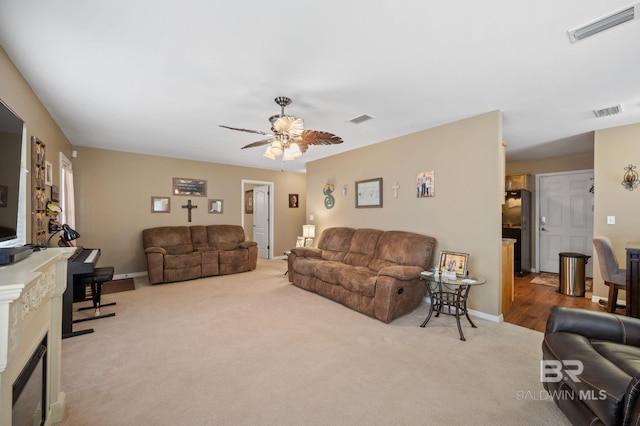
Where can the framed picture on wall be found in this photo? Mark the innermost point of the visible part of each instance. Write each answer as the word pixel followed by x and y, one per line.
pixel 160 205
pixel 369 193
pixel 190 187
pixel 248 201
pixel 215 206
pixel 293 201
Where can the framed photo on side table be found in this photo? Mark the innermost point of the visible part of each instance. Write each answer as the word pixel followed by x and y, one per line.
pixel 454 262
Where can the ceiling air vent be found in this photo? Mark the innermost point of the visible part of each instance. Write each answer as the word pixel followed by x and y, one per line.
pixel 606 112
pixel 361 119
pixel 614 19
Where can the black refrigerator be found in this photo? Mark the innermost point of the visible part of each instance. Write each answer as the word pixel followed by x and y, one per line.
pixel 516 224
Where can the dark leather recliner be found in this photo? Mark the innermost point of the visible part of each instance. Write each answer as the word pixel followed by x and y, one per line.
pixel 599 357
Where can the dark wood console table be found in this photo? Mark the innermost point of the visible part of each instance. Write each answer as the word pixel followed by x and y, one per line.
pixel 633 280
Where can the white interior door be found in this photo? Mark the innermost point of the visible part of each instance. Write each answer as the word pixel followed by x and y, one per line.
pixel 261 220
pixel 565 219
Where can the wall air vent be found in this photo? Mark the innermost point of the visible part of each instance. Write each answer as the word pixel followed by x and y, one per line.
pixel 361 119
pixel 606 112
pixel 614 19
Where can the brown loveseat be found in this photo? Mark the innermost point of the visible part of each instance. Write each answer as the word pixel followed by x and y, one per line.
pixel 374 272
pixel 178 253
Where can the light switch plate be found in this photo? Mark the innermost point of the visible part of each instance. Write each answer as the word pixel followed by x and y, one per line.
pixel 611 220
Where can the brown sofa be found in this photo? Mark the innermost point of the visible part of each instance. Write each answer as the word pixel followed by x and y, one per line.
pixel 179 253
pixel 374 272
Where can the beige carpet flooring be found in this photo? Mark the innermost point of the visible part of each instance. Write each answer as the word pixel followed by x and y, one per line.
pixel 252 349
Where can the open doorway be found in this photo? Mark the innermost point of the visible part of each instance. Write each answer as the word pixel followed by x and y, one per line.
pixel 261 211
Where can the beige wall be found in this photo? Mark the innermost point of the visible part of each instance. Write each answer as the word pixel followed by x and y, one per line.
pixel 464 215
pixel 16 93
pixel 113 201
pixel 615 149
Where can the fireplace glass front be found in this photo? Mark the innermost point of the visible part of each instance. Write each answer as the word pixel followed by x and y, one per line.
pixel 30 390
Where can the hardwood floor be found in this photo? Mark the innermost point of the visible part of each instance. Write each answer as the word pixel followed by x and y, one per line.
pixel 533 301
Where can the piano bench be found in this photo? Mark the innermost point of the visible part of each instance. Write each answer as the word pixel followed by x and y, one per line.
pixel 95 279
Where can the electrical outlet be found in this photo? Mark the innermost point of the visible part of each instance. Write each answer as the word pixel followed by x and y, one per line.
pixel 611 220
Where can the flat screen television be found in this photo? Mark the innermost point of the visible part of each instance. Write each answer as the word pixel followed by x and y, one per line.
pixel 11 163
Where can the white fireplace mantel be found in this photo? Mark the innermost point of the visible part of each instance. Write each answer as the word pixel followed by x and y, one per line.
pixel 31 308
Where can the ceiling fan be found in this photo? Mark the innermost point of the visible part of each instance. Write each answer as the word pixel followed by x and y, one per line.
pixel 288 135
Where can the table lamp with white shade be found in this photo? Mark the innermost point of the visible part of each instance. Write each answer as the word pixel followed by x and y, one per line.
pixel 309 233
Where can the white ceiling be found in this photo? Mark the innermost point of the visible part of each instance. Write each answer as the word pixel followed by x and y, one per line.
pixel 160 76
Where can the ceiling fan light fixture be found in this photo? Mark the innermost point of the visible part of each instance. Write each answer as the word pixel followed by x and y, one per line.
pixel 268 154
pixel 294 148
pixel 276 148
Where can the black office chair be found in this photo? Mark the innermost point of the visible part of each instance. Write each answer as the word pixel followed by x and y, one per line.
pixel 95 279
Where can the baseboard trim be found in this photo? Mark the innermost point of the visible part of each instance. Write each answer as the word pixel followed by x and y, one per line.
pixel 478 314
pixel 129 275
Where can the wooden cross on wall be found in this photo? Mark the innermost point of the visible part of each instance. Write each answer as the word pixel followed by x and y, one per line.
pixel 189 206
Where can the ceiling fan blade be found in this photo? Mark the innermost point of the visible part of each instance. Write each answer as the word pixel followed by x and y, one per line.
pixel 315 137
pixel 247 130
pixel 258 143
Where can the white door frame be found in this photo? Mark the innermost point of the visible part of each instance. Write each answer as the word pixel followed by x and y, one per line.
pixel 271 211
pixel 537 211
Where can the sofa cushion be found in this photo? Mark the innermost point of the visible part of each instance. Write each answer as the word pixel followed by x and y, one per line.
pixel 166 236
pixel 335 242
pixel 234 256
pixel 199 236
pixel 224 246
pixel 181 249
pixel 363 246
pixel 359 279
pixel 181 261
pixel 330 271
pixel 403 248
pixel 225 234
pixel 306 266
pixel 625 357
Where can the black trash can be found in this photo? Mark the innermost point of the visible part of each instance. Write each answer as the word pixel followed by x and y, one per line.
pixel 572 279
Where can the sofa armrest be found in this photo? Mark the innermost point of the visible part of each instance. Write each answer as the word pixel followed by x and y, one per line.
pixel 307 251
pixel 401 272
pixel 594 325
pixel 631 403
pixel 247 244
pixel 155 250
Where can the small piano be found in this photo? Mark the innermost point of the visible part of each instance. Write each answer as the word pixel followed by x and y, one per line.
pixel 83 261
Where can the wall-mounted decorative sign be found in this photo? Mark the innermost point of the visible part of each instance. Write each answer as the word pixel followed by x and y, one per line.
pixel 369 193
pixel 329 200
pixel 248 201
pixel 425 184
pixel 190 187
pixel 160 205
pixel 215 206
